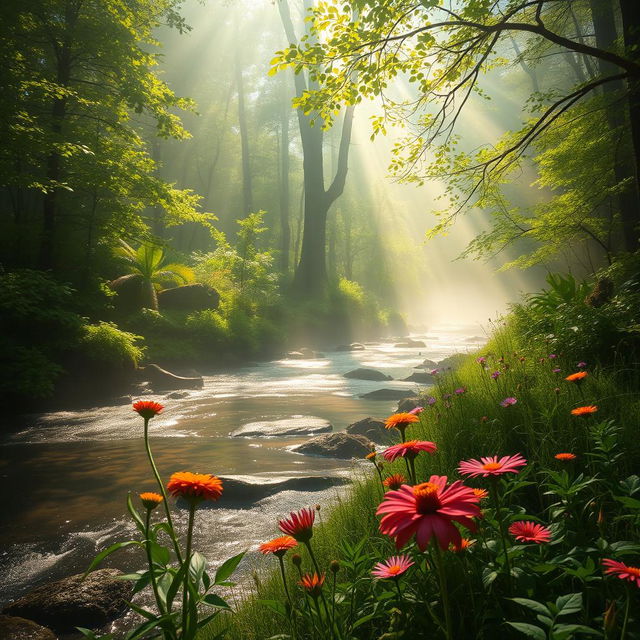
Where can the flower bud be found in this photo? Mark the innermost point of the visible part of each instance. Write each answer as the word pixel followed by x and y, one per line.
pixel 296 558
pixel 334 566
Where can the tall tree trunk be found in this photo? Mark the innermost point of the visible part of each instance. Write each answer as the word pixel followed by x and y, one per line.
pixel 529 70
pixel 624 166
pixel 310 278
pixel 285 229
pixel 630 10
pixel 247 194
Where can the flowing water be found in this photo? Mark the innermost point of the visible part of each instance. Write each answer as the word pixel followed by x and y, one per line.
pixel 66 476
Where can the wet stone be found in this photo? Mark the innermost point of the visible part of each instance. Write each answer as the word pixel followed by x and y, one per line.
pixel 299 426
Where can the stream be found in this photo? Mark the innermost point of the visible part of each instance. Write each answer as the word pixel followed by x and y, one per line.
pixel 66 475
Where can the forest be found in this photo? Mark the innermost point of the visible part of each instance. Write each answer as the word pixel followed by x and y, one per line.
pixel 230 230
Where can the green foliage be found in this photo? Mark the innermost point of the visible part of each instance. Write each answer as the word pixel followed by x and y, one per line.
pixel 105 344
pixel 37 326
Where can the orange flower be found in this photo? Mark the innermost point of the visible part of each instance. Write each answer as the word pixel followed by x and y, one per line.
pixel 401 421
pixel 481 493
pixel 371 456
pixel 151 500
pixel 394 482
pixel 195 486
pixel 147 408
pixel 464 545
pixel 278 546
pixel 312 584
pixel 584 411
pixel 577 377
pixel 565 457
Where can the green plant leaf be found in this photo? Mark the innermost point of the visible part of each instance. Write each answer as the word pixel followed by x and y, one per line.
pixel 107 552
pixel 227 568
pixel 570 603
pixel 215 600
pixel 529 630
pixel 538 607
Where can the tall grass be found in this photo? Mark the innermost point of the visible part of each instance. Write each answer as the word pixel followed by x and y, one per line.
pixel 464 425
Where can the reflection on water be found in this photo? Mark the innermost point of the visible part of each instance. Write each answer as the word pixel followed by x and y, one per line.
pixel 66 476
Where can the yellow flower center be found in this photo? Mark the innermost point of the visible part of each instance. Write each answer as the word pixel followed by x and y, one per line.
pixel 427 500
pixel 492 466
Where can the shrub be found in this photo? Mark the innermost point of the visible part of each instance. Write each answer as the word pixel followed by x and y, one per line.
pixel 105 344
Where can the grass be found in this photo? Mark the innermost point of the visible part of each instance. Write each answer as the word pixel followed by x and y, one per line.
pixel 465 425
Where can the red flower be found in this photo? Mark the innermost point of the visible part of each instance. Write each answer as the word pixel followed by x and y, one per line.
pixel 465 545
pixel 565 457
pixel 312 584
pixel 622 571
pixel 491 466
pixel 394 481
pixel 147 408
pixel 299 525
pixel 195 486
pixel 409 449
pixel 429 510
pixel 584 411
pixel 394 567
pixel 577 377
pixel 278 546
pixel 527 531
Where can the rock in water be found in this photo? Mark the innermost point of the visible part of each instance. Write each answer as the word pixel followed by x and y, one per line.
pixel 299 426
pixel 366 374
pixel 372 429
pixel 189 297
pixel 387 394
pixel 408 404
pixel 337 445
pixel 74 602
pixel 162 380
pixel 13 628
pixel 354 346
pixel 452 362
pixel 422 377
pixel 178 395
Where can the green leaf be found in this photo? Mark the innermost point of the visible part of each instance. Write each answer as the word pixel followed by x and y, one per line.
pixel 227 568
pixel 529 630
pixel 571 603
pixel 107 552
pixel 274 605
pixel 197 566
pixel 576 628
pixel 215 600
pixel 538 607
pixel 159 554
pixel 135 515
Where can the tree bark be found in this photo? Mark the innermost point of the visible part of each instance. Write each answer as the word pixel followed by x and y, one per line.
pixel 285 228
pixel 625 168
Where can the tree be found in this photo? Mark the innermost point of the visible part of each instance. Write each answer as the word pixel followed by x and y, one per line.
pixel 444 52
pixel 79 86
pixel 311 272
pixel 148 270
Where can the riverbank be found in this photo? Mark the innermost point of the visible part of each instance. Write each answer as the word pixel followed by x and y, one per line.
pixel 469 419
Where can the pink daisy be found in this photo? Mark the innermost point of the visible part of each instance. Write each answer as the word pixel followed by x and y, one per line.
pixel 409 449
pixel 508 402
pixel 394 567
pixel 491 466
pixel 429 510
pixel 622 571
pixel 299 525
pixel 527 531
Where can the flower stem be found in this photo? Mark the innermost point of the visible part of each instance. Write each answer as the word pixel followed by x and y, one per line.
pixel 623 633
pixel 162 489
pixel 187 562
pixel 443 589
pixel 147 546
pixel 503 536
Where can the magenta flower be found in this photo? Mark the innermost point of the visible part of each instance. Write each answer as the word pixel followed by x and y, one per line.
pixel 299 524
pixel 460 390
pixel 430 400
pixel 581 365
pixel 507 402
pixel 417 411
pixel 491 466
pixel 394 567
pixel 409 449
pixel 434 372
pixel 556 370
pixel 553 356
pixel 495 375
pixel 481 360
pixel 622 571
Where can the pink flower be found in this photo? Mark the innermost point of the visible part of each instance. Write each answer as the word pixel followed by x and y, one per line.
pixel 495 375
pixel 394 567
pixel 508 402
pixel 622 571
pixel 527 531
pixel 417 411
pixel 299 525
pixel 491 466
pixel 429 511
pixel 556 370
pixel 460 390
pixel 581 365
pixel 553 356
pixel 434 372
pixel 409 449
pixel 481 360
pixel 430 400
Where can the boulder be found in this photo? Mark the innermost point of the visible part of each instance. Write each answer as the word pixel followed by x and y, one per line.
pixel 177 395
pixel 366 374
pixel 295 355
pixel 354 346
pixel 337 445
pixel 190 297
pixel 74 601
pixel 386 394
pixel 14 628
pixel 421 377
pixel 306 352
pixel 298 426
pixel 372 429
pixel 162 380
pixel 408 404
pixel 451 362
pixel 427 364
pixel 409 343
